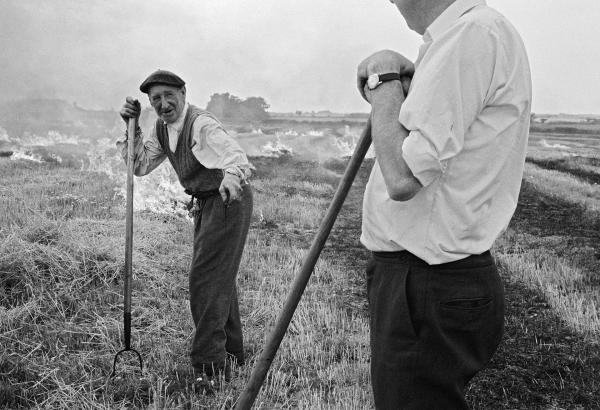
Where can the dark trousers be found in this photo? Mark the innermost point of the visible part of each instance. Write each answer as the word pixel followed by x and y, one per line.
pixel 219 237
pixel 432 328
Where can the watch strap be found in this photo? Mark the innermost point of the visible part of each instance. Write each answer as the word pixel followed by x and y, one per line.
pixel 389 77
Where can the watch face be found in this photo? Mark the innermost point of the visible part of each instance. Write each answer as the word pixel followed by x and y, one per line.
pixel 373 81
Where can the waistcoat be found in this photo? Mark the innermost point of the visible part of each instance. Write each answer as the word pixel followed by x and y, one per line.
pixel 193 176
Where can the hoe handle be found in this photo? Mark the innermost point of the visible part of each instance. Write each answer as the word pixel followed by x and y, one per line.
pixel 261 367
pixel 131 128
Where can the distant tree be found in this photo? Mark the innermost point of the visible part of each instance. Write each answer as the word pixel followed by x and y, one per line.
pixel 254 108
pixel 219 104
pixel 232 107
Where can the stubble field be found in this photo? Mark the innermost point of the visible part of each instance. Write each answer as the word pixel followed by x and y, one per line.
pixel 62 247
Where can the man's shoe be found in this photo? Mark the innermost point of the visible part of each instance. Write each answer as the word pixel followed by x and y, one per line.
pixel 206 385
pixel 185 377
pixel 215 370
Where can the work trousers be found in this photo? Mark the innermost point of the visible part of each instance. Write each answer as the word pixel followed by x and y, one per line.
pixel 432 328
pixel 219 237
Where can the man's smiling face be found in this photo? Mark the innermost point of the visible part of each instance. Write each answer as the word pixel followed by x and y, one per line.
pixel 167 101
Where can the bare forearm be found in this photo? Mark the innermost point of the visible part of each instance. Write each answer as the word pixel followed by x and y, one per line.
pixel 388 136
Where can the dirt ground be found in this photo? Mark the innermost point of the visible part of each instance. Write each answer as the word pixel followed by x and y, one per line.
pixel 541 363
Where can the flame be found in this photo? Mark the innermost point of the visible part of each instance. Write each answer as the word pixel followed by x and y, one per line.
pixel 160 191
pixel 276 148
pixel 26 156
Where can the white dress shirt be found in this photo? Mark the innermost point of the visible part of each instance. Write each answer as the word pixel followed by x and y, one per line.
pixel 467 113
pixel 212 146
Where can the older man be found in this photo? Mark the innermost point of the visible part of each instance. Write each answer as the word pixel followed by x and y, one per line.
pixel 213 169
pixel 449 165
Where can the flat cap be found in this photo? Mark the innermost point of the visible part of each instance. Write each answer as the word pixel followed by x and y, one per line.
pixel 161 77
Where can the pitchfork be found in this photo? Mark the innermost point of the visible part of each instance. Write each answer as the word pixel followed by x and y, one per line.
pixel 131 128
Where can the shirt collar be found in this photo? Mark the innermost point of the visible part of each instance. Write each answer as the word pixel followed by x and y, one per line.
pixel 449 16
pixel 178 124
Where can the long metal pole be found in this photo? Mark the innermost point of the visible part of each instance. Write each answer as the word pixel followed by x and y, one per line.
pixel 246 399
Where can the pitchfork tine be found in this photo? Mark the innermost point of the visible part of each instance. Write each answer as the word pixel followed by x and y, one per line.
pixel 114 372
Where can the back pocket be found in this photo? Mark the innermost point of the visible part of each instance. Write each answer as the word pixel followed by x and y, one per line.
pixel 466 314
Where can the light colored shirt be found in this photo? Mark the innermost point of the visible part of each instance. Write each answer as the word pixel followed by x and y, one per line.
pixel 212 146
pixel 467 113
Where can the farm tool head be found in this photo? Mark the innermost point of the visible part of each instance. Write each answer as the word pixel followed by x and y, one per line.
pixel 127 323
pixel 131 128
pixel 127 348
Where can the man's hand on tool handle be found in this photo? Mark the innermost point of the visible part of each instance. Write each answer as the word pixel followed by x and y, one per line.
pixel 131 109
pixel 230 189
pixel 381 62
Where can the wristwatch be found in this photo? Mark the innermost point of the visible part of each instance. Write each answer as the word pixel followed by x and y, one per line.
pixel 375 80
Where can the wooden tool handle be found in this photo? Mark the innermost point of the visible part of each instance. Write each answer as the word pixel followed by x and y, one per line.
pixel 131 129
pixel 261 367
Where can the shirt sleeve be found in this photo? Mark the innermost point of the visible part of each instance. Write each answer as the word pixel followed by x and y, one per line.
pixel 216 149
pixel 148 152
pixel 448 91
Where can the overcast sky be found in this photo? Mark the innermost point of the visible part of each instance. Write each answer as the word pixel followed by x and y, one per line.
pixel 298 55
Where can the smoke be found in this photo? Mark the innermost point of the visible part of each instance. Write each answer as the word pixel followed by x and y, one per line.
pixel 97 52
pixel 160 191
pixel 297 55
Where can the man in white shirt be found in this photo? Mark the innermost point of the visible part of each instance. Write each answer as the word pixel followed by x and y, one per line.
pixel 445 184
pixel 213 169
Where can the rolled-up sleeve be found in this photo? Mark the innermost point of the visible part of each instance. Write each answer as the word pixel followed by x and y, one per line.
pixel 148 152
pixel 445 98
pixel 215 148
pixel 421 157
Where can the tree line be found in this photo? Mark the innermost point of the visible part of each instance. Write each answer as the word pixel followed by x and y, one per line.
pixel 228 106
